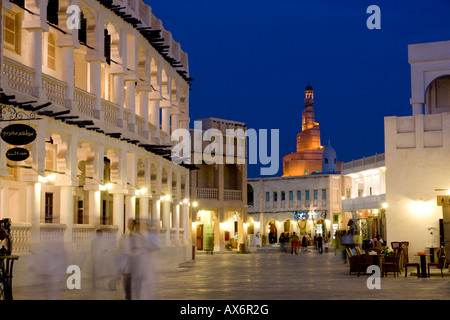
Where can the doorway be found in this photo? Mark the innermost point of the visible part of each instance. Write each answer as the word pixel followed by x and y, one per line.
pixel 272 232
pixel 200 237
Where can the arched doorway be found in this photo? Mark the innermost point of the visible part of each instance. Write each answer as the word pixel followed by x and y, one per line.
pixel 437 95
pixel 288 227
pixel 272 230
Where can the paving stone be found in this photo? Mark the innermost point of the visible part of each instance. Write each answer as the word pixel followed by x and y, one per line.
pixel 266 275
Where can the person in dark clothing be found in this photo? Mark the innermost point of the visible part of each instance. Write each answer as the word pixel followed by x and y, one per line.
pixel 320 243
pixel 305 242
pixel 282 240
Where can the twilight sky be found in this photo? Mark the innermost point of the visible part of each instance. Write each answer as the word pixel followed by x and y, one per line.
pixel 251 61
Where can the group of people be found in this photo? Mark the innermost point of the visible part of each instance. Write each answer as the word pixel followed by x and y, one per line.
pixel 133 262
pixel 291 242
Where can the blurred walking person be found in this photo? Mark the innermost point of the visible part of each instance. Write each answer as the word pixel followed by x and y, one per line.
pixel 295 243
pixel 125 258
pixel 282 240
pixel 144 263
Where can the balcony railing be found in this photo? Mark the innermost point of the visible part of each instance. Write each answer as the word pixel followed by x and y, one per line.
pixel 20 236
pixel 85 101
pixel 208 193
pixel 52 233
pixel 55 90
pixel 110 112
pixel 82 235
pixel 19 76
pixel 232 195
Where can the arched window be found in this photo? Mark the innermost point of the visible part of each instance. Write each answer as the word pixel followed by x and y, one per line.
pixel 326 160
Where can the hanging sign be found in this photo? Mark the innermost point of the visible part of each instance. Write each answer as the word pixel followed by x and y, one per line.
pixel 17 154
pixel 18 134
pixel 443 200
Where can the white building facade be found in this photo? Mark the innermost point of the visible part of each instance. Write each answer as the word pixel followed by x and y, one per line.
pixel 302 204
pixel 364 199
pixel 416 149
pixel 118 87
pixel 219 187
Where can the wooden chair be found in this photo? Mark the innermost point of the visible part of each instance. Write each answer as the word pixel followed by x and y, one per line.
pixel 412 264
pixel 405 245
pixel 441 262
pixel 395 245
pixel 377 250
pixel 357 262
pixel 392 264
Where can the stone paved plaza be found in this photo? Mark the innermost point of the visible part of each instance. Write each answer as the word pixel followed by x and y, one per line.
pixel 267 275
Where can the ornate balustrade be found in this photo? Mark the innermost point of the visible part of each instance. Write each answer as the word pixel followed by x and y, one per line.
pixel 55 90
pixel 85 101
pixel 19 77
pixel 82 235
pixel 20 237
pixel 110 112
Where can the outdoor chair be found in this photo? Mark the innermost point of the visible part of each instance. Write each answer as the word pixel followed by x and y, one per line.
pixel 441 262
pixel 392 263
pixel 357 262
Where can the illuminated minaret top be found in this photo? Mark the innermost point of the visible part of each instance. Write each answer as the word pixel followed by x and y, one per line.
pixel 309 137
pixel 308 157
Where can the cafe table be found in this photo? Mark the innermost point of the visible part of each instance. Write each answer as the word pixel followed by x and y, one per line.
pixel 6 275
pixel 376 259
pixel 423 265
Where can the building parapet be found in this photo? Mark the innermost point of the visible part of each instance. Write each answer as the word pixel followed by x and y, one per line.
pixel 367 163
pixel 364 203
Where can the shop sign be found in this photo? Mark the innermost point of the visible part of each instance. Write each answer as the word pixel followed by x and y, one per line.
pixel 18 134
pixel 443 200
pixel 17 154
pixel 306 215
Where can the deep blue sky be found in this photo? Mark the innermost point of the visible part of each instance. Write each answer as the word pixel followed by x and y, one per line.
pixel 251 60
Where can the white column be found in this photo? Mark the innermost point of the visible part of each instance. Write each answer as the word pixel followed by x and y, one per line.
pixel 34 209
pixel 143 109
pixel 94 208
pixel 165 115
pixel 118 212
pixel 184 220
pixel 155 119
pixel 66 211
pixel 118 96
pixel 175 121
pixel 95 86
pixel 154 113
pixel 143 208
pixel 130 103
pixel 130 207
pixel 156 215
pixel 176 221
pixel 35 58
pixel 67 63
pixel 165 212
